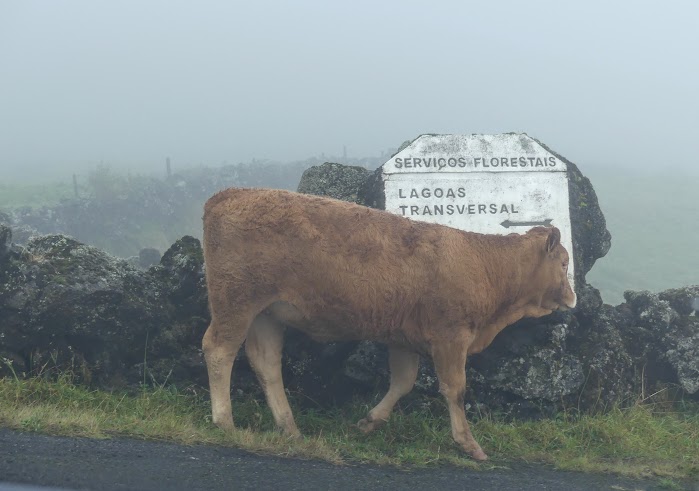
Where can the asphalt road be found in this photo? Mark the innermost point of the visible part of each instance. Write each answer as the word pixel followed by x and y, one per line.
pixel 30 462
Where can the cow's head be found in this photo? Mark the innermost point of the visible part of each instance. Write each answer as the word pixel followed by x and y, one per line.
pixel 551 273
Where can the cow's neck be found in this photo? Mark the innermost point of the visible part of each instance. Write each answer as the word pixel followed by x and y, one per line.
pixel 514 301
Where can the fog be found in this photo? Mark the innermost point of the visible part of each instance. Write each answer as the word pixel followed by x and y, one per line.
pixel 606 84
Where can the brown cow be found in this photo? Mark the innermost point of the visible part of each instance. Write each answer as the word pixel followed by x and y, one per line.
pixel 339 271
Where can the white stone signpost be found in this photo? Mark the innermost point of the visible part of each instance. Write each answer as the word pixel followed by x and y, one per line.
pixel 491 184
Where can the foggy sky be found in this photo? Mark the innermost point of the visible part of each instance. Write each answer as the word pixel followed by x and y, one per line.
pixel 128 83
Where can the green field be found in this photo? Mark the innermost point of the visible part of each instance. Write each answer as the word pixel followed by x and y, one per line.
pixel 654 222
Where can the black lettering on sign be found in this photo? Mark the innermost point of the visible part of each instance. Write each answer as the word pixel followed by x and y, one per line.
pixel 465 209
pixel 434 162
pixel 502 162
pixel 417 193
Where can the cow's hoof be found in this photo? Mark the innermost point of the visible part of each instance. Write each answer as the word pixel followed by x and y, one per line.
pixel 367 426
pixel 478 455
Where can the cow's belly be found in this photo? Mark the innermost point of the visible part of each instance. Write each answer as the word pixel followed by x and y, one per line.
pixel 324 328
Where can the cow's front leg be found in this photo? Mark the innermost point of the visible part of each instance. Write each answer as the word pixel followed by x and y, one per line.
pixel 450 364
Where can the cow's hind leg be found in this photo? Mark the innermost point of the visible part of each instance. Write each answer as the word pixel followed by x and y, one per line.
pixel 220 344
pixel 403 365
pixel 264 349
pixel 450 364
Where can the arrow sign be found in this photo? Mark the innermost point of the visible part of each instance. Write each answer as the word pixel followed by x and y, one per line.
pixel 510 223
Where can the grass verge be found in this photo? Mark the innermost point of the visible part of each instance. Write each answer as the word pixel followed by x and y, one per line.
pixel 640 441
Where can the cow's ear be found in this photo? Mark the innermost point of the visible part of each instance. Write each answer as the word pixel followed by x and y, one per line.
pixel 553 239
